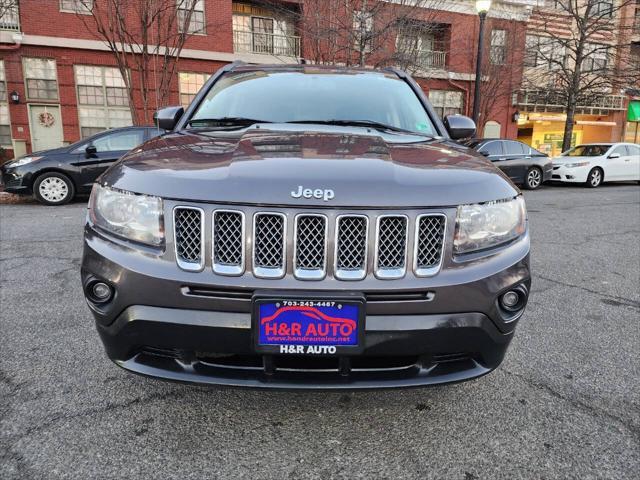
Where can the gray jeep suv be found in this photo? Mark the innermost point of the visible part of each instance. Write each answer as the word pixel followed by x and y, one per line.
pixel 307 227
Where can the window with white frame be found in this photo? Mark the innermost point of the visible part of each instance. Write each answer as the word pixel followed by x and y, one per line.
pixel 446 102
pixel 76 6
pixel 103 101
pixel 596 57
pixel 190 84
pixel 40 78
pixel 191 16
pixel 363 30
pixel 543 51
pixel 5 124
pixel 498 53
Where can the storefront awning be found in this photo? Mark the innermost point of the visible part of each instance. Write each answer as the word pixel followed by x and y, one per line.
pixel 634 112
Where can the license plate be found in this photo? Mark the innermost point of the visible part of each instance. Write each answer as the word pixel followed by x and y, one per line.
pixel 308 326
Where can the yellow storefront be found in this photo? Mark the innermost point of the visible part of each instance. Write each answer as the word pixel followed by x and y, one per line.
pixel 545 131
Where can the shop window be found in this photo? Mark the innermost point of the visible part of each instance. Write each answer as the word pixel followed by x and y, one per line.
pixel 498 52
pixel 190 84
pixel 195 22
pixel 446 102
pixel 5 124
pixel 76 6
pixel 40 78
pixel 103 101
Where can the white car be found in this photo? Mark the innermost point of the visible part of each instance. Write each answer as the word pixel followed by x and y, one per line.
pixel 595 163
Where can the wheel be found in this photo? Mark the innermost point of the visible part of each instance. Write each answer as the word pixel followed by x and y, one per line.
pixel 594 179
pixel 533 178
pixel 53 188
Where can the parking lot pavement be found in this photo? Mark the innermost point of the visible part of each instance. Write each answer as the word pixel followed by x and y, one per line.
pixel 565 403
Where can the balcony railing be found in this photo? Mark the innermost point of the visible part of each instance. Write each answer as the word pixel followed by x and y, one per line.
pixel 10 19
pixel 429 59
pixel 246 41
pixel 553 101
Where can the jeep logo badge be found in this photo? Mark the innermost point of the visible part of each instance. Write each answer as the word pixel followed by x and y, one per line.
pixel 326 194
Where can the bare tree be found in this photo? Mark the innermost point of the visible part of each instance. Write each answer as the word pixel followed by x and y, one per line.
pixel 578 48
pixel 370 32
pixel 146 38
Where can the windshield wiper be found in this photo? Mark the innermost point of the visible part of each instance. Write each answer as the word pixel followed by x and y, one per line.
pixel 362 123
pixel 225 122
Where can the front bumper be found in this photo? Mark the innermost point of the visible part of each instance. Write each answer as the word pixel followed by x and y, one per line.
pixel 15 181
pixel 176 330
pixel 572 175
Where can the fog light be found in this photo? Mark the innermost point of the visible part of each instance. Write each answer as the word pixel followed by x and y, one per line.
pixel 101 291
pixel 510 299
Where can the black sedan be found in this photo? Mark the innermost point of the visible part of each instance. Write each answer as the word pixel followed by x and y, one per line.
pixel 524 165
pixel 55 176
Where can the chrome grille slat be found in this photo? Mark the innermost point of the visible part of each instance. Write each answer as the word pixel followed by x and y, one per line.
pixel 429 244
pixel 188 224
pixel 393 253
pixel 269 245
pixel 310 250
pixel 351 247
pixel 228 242
pixel 391 247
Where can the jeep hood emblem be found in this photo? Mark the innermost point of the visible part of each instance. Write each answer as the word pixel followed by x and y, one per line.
pixel 319 193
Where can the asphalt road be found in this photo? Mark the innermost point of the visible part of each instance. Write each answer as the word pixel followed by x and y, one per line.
pixel 565 403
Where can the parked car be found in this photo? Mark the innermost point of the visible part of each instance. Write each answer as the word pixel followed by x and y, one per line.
pixel 595 163
pixel 55 176
pixel 524 165
pixel 307 227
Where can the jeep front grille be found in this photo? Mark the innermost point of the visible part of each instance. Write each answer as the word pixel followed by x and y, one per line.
pixel 351 247
pixel 189 237
pixel 391 247
pixel 429 244
pixel 228 242
pixel 310 251
pixel 269 245
pixel 395 243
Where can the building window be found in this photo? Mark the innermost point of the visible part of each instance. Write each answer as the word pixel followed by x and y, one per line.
pixel 9 16
pixel 603 9
pixel 557 4
pixel 544 52
pixel 446 102
pixel 596 57
pixel 40 78
pixel 190 84
pixel 76 6
pixel 258 30
pixel 498 52
pixel 103 101
pixel 191 16
pixel 362 31
pixel 5 124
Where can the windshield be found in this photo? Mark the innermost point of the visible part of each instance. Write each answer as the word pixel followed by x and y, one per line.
pixel 587 151
pixel 324 97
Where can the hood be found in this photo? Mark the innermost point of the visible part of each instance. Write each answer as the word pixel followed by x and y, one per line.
pixel 565 160
pixel 350 167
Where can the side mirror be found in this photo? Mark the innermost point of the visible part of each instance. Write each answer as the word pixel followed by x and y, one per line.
pixel 459 126
pixel 484 154
pixel 90 151
pixel 614 155
pixel 167 118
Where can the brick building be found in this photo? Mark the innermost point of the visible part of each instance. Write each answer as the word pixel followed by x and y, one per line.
pixel 59 81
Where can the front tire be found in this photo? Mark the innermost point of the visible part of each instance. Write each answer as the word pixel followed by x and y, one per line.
pixel 595 177
pixel 53 188
pixel 533 178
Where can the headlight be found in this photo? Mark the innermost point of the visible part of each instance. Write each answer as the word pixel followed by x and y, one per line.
pixel 136 217
pixel 24 161
pixel 486 225
pixel 578 164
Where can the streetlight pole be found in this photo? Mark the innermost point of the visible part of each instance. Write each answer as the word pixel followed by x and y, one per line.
pixel 482 6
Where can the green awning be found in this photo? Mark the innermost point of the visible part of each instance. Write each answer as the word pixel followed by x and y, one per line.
pixel 634 112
